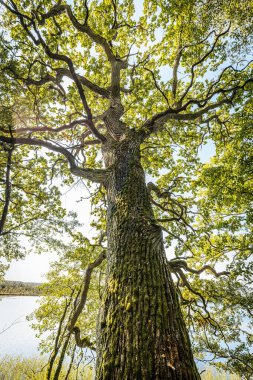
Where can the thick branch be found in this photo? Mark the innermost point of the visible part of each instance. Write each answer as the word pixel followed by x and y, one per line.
pixel 94 36
pixel 64 72
pixel 115 127
pixel 116 63
pixel 64 58
pixel 204 105
pixel 60 73
pixel 158 120
pixel 178 263
pixel 48 129
pixel 188 286
pixel 95 175
pixel 60 8
pixel 84 293
pixel 84 342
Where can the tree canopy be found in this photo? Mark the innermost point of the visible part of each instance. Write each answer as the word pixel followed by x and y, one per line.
pixel 178 76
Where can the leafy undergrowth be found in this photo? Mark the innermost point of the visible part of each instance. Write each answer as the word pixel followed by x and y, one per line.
pixel 18 368
pixel 211 374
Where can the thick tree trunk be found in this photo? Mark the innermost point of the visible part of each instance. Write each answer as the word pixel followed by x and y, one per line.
pixel 141 332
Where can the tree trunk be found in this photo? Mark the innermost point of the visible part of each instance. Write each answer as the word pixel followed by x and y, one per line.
pixel 141 332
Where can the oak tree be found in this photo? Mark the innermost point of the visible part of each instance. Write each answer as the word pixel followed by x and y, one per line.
pixel 120 89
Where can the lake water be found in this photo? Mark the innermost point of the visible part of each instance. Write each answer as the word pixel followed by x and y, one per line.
pixel 16 335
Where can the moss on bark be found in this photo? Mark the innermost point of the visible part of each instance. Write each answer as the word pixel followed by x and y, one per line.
pixel 141 332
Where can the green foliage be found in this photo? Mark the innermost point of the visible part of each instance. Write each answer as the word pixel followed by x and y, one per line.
pixel 35 369
pixel 61 294
pixel 210 374
pixel 191 60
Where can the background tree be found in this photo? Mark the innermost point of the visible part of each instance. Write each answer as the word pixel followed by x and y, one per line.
pixel 117 92
pixel 31 213
pixel 225 215
pixel 71 317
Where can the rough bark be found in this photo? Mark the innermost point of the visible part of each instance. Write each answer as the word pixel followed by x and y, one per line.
pixel 141 332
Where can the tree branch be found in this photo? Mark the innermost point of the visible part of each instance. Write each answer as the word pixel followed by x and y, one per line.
pixel 175 71
pixel 158 120
pixel 58 57
pixel 204 105
pixel 95 175
pixel 201 60
pixel 84 293
pixel 7 190
pixel 64 72
pixel 114 126
pixel 85 342
pixel 178 263
pixel 156 84
pixel 48 129
pixel 60 8
pixel 57 342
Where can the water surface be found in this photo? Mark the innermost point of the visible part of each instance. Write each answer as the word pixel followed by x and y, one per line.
pixel 16 335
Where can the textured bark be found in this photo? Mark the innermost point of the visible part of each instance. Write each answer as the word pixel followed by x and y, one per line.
pixel 141 332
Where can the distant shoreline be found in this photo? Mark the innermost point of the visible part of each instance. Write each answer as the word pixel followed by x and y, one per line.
pixel 19 288
pixel 19 295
